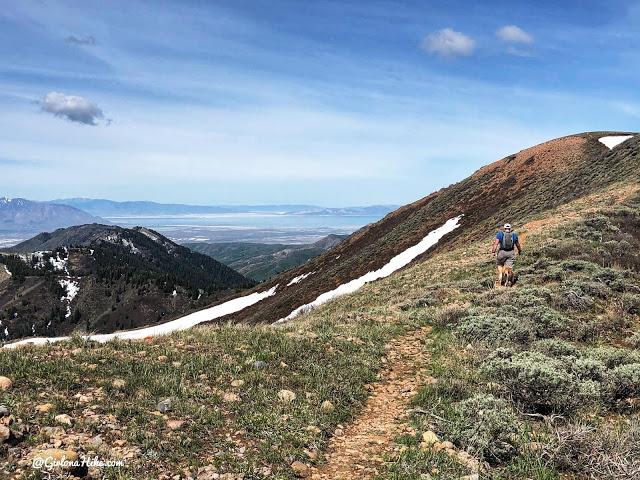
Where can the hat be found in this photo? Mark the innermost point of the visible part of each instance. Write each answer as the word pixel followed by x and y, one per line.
pixel 507 225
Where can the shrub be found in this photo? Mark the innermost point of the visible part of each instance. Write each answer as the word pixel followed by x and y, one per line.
pixel 613 357
pixel 422 302
pixel 631 303
pixel 494 328
pixel 546 322
pixel 448 315
pixel 484 426
pixel 556 348
pixel 625 381
pixel 634 340
pixel 586 368
pixel 539 382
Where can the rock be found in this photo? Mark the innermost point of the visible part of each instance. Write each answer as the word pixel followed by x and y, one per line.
pixel 118 383
pixel 327 406
pixel 5 384
pixel 120 443
pixel 475 476
pixel 66 419
pixel 260 364
pixel 448 445
pixel 175 424
pixel 231 398
pixel 468 461
pixel 3 411
pixel 286 396
pixel 5 433
pixel 164 406
pixel 44 408
pixel 95 441
pixel 429 438
pixel 338 432
pixel 237 383
pixel 300 469
pixel 314 429
pixel 163 358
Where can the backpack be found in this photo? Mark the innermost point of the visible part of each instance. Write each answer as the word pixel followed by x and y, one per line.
pixel 507 241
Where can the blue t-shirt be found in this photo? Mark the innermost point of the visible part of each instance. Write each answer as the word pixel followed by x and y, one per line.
pixel 501 235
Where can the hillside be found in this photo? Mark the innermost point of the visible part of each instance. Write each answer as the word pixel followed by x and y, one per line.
pixel 534 180
pixel 18 215
pixel 103 278
pixel 261 261
pixel 429 373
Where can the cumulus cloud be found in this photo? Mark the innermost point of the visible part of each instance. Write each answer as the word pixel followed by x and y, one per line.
pixel 449 43
pixel 81 41
pixel 76 109
pixel 513 34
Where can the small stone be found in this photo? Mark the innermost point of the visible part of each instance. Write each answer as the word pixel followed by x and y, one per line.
pixel 5 433
pixel 300 469
pixel 5 384
pixel 286 396
pixel 76 351
pixel 120 443
pixel 231 398
pixel 237 383
pixel 164 406
pixel 3 411
pixel 327 406
pixel 44 408
pixel 141 354
pixel 163 358
pixel 429 437
pixel 118 383
pixel 176 364
pixel 260 364
pixel 448 444
pixel 175 424
pixel 339 432
pixel 314 429
pixel 66 419
pixel 96 441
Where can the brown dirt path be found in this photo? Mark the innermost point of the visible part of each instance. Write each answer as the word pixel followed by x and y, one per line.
pixel 359 451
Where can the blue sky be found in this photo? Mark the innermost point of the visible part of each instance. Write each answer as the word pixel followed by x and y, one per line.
pixel 332 103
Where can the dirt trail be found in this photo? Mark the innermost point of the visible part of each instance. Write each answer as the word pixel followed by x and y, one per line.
pixel 360 450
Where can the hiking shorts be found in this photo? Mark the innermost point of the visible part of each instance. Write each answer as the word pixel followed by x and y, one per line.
pixel 506 258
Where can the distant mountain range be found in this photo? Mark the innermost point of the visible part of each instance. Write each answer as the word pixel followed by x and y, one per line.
pixel 104 278
pixel 261 261
pixel 109 208
pixel 25 216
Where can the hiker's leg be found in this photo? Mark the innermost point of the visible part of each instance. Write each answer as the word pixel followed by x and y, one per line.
pixel 499 280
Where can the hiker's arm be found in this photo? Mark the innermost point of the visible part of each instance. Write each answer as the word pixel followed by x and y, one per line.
pixel 519 248
pixel 495 245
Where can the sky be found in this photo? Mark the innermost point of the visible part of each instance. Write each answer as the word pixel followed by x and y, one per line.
pixel 332 103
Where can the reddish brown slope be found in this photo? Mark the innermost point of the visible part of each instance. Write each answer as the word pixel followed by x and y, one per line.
pixel 528 182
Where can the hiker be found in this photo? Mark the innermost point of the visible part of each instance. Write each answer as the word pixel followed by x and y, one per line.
pixel 504 243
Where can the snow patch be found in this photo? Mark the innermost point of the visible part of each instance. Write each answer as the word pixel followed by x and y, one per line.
pixel 71 288
pixel 299 278
pixel 59 264
pixel 614 140
pixel 8 273
pixel 188 321
pixel 129 243
pixel 394 264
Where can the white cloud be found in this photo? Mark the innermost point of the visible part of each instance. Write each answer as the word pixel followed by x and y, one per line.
pixel 76 109
pixel 513 34
pixel 449 43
